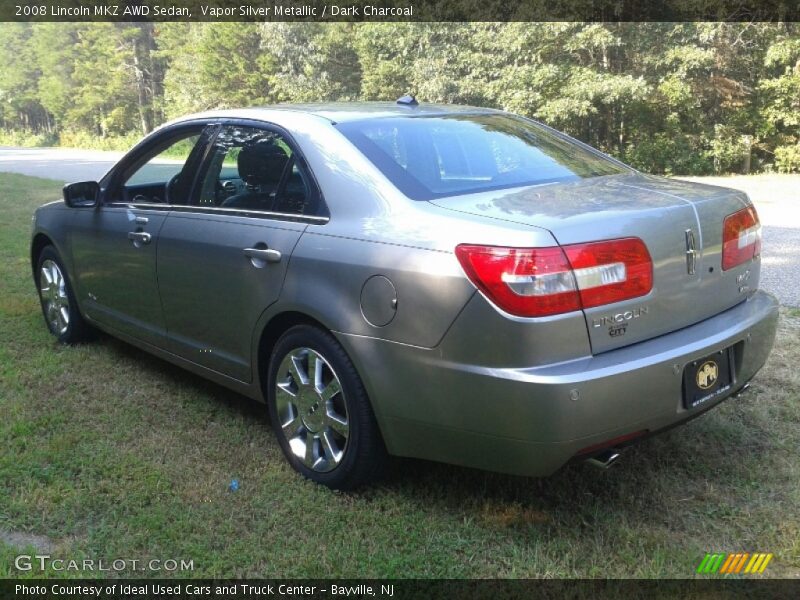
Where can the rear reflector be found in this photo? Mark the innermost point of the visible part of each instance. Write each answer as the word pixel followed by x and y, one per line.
pixel 741 237
pixel 537 282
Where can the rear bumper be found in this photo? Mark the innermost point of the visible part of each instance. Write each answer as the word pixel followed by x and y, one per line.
pixel 530 421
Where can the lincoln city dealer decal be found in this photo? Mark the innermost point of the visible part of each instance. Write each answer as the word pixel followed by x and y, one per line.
pixel 618 323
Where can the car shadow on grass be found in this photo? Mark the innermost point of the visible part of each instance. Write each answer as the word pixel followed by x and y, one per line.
pixel 231 400
pixel 676 477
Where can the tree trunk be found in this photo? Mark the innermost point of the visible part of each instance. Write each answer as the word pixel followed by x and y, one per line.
pixel 146 72
pixel 748 141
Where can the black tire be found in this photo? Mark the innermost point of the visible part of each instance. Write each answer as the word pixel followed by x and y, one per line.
pixel 364 455
pixel 77 329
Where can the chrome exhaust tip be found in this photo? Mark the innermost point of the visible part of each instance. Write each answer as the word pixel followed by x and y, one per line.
pixel 742 390
pixel 605 459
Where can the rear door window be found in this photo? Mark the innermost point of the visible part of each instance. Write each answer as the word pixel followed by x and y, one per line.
pixel 253 169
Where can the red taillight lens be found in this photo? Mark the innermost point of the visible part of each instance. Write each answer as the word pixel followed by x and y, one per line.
pixel 536 282
pixel 611 271
pixel 527 282
pixel 741 237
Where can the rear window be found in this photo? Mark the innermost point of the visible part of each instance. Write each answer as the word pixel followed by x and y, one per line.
pixel 432 157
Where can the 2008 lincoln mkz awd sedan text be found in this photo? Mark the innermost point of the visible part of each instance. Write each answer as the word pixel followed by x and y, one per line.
pixel 443 282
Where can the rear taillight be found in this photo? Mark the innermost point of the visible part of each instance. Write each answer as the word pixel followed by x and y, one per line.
pixel 536 282
pixel 528 282
pixel 741 237
pixel 611 271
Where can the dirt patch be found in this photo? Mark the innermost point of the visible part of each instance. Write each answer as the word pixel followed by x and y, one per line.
pixel 19 539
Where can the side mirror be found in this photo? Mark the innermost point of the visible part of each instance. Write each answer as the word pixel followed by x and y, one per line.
pixel 81 194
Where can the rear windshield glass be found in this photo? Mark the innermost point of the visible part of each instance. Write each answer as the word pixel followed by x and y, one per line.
pixel 433 157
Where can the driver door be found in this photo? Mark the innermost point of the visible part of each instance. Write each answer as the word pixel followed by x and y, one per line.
pixel 114 245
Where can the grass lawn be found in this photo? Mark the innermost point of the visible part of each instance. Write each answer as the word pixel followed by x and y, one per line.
pixel 110 453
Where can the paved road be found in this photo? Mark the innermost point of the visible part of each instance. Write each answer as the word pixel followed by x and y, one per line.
pixel 57 163
pixel 777 198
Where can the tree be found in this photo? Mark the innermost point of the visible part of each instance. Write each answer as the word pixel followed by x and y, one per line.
pixel 780 98
pixel 666 97
pixel 19 95
pixel 313 61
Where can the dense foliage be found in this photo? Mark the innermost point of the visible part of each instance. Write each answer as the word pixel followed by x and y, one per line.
pixel 666 97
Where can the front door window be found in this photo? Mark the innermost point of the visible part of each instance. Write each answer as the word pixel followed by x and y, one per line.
pixel 160 176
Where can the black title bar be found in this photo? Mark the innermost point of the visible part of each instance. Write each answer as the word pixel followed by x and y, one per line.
pixel 400 10
pixel 400 589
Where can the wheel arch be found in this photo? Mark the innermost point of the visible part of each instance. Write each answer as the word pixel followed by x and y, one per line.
pixel 39 242
pixel 271 332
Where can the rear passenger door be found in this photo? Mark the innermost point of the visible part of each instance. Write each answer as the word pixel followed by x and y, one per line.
pixel 222 260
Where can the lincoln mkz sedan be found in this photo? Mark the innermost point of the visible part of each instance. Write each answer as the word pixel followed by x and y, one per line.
pixel 443 282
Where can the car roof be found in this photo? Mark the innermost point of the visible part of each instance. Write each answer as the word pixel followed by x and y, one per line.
pixel 353 111
pixel 338 112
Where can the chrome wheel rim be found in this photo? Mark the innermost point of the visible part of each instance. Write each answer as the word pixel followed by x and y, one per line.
pixel 53 289
pixel 311 409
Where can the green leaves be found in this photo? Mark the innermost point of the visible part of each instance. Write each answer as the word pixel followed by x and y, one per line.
pixel 672 97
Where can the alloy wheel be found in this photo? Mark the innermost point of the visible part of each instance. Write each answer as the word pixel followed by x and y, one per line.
pixel 53 288
pixel 311 409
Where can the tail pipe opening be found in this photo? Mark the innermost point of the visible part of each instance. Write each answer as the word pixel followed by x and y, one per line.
pixel 605 459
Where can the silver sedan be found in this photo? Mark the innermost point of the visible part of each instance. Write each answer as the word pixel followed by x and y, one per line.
pixel 443 282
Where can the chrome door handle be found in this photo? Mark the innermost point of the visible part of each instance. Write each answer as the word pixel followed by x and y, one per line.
pixel 142 237
pixel 265 254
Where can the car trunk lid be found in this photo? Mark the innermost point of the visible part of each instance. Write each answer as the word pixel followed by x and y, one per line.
pixel 680 222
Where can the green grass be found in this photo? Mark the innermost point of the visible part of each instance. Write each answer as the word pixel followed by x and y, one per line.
pixel 110 453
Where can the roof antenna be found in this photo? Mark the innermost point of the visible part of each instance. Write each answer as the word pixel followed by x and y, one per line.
pixel 408 100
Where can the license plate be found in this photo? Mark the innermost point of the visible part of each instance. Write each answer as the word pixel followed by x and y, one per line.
pixel 707 378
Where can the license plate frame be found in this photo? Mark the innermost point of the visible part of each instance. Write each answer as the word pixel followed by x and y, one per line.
pixel 707 378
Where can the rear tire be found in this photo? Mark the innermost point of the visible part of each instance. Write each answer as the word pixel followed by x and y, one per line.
pixel 59 307
pixel 320 411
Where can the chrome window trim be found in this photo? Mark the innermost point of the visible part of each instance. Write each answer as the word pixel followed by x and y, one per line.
pixel 207 123
pixel 235 212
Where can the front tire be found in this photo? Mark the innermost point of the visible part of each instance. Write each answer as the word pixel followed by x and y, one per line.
pixel 320 411
pixel 59 307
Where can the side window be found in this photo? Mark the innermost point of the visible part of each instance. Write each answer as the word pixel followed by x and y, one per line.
pixel 158 176
pixel 255 169
pixel 295 195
